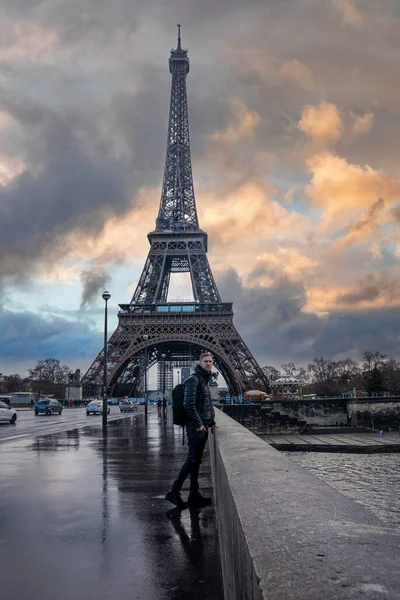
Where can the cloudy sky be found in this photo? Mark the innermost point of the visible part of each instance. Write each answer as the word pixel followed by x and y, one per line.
pixel 295 129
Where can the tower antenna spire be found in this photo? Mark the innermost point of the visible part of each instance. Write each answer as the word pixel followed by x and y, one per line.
pixel 179 37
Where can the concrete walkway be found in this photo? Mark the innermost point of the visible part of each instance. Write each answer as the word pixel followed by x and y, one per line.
pixel 82 516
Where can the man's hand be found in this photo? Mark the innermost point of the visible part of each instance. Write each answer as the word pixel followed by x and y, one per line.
pixel 200 428
pixel 214 428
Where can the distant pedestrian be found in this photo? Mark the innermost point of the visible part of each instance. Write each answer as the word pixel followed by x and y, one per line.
pixel 381 432
pixel 200 417
pixel 164 404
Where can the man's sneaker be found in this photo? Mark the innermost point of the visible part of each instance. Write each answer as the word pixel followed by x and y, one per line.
pixel 175 498
pixel 197 499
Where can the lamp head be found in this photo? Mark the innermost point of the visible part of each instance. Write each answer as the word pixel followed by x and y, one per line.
pixel 145 337
pixel 106 296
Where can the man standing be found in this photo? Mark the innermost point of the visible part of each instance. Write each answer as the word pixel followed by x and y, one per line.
pixel 200 417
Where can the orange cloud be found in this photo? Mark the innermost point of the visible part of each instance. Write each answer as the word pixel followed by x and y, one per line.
pixel 322 123
pixel 322 298
pixel 243 125
pixel 344 190
pixel 251 61
pixel 10 167
pixel 288 261
pixel 246 213
pixel 60 275
pixel 122 237
pixel 27 41
pixel 5 119
pixel 363 124
pixel 348 11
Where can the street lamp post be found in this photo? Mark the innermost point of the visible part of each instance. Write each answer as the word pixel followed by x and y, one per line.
pixel 145 337
pixel 106 296
pixel 163 375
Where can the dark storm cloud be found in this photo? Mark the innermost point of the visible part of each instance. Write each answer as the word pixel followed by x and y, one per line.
pixel 367 292
pixel 86 17
pixel 269 319
pixel 28 337
pixel 274 326
pixel 83 165
pixel 350 333
pixel 88 138
pixel 94 282
pixel 64 189
pixel 372 287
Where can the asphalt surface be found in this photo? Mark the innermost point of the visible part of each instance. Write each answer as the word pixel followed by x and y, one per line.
pixel 29 425
pixel 84 516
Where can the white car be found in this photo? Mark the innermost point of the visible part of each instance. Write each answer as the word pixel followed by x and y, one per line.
pixel 7 414
pixel 127 406
pixel 95 407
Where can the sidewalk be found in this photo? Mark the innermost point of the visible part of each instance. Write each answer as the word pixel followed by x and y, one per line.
pixel 85 517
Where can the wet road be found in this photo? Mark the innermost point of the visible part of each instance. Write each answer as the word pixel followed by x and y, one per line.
pixel 29 425
pixel 82 516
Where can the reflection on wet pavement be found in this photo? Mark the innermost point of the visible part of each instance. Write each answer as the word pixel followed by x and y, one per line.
pixel 82 516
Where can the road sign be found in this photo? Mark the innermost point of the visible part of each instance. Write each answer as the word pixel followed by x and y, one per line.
pixel 227 399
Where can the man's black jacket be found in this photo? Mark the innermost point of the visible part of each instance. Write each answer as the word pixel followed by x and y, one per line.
pixel 197 401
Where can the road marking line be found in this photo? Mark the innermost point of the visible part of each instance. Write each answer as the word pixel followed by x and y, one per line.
pixel 13 437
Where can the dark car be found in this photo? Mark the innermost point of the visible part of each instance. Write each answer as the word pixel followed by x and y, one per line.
pixel 47 406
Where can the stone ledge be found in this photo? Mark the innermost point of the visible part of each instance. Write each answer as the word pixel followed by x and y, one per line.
pixel 285 534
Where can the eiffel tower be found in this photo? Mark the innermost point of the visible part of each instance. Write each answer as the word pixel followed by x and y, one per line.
pixel 151 329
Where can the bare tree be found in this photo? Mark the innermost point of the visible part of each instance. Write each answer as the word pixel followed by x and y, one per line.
pixel 271 373
pixel 391 376
pixel 323 372
pixel 348 373
pixel 373 360
pixel 50 376
pixel 50 370
pixel 13 383
pixel 373 366
pixel 289 369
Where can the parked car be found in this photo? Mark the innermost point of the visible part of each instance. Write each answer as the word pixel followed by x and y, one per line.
pixel 95 407
pixel 48 406
pixel 7 414
pixel 127 406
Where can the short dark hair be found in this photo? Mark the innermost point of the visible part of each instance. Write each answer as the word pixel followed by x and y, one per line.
pixel 203 355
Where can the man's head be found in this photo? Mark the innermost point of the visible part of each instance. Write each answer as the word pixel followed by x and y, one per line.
pixel 206 361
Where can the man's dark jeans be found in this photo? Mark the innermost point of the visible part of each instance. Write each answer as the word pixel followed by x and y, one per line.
pixel 197 441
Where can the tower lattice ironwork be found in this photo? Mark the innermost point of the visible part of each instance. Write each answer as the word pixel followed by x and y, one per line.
pixel 176 331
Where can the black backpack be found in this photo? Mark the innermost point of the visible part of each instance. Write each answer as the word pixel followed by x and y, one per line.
pixel 178 409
